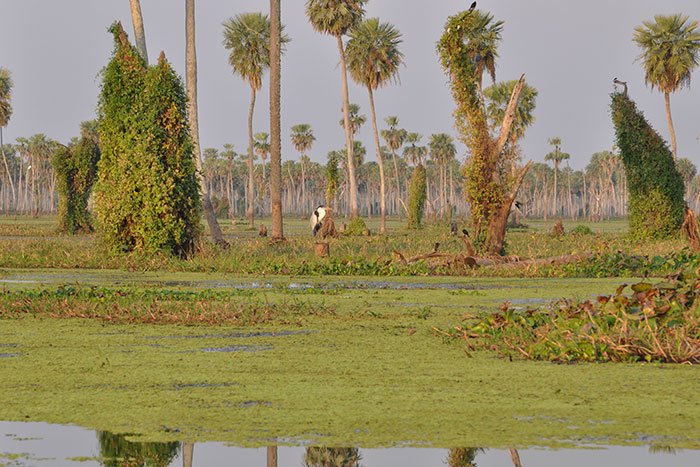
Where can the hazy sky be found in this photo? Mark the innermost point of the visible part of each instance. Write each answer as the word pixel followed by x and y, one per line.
pixel 569 51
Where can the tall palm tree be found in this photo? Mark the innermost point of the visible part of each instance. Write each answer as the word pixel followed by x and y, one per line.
pixel 247 36
pixel 556 156
pixel 191 78
pixel 394 138
pixel 442 151
pixel 5 114
pixel 276 38
pixel 336 18
pixel 374 58
pixel 139 32
pixel 303 139
pixel 670 51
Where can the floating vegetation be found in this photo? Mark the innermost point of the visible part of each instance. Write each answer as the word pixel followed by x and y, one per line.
pixel 655 323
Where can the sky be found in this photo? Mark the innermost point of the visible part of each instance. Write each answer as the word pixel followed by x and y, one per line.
pixel 569 51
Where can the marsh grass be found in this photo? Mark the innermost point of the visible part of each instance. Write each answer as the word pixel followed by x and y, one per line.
pixel 33 245
pixel 129 306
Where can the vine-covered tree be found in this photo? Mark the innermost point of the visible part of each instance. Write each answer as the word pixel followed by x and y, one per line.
pixel 491 183
pixel 417 197
pixel 670 51
pixel 147 194
pixel 374 58
pixel 656 190
pixel 75 167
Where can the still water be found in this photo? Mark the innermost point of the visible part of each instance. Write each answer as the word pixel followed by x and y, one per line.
pixel 43 444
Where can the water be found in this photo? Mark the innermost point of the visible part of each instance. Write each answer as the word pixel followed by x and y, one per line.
pixel 43 445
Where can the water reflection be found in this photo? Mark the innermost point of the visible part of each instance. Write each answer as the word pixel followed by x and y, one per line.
pixel 331 457
pixel 117 451
pixel 41 445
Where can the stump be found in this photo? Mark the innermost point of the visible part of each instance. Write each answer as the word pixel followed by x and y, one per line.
pixel 263 231
pixel 558 229
pixel 691 230
pixel 322 250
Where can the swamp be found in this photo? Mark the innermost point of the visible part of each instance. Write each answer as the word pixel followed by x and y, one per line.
pixel 200 357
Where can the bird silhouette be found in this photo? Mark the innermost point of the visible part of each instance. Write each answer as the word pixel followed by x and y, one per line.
pixel 472 6
pixel 622 83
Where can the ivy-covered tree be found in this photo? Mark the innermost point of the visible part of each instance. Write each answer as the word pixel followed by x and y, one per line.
pixel 147 195
pixel 417 196
pixel 75 167
pixel 467 48
pixel 655 186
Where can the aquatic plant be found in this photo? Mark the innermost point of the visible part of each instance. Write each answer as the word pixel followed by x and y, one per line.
pixel 655 323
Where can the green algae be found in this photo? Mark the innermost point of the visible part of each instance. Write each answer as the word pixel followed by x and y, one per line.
pixel 373 373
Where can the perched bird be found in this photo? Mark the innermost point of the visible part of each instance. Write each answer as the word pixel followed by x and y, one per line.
pixel 472 6
pixel 464 231
pixel 518 205
pixel 622 83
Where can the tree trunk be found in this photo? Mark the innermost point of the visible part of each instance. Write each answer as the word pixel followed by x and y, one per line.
pixel 382 187
pixel 398 184
pixel 556 171
pixel 191 76
pixel 139 33
pixel 7 168
pixel 499 218
pixel 275 130
pixel 667 98
pixel 354 210
pixel 251 167
pixel 272 450
pixel 187 454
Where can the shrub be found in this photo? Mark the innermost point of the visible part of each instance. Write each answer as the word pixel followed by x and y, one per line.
pixel 417 196
pixel 75 167
pixel 356 226
pixel 147 195
pixel 581 230
pixel 656 188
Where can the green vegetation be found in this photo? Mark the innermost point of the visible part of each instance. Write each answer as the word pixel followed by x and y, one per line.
pixel 656 189
pixel 417 196
pixel 147 195
pixel 76 171
pixel 198 381
pixel 656 323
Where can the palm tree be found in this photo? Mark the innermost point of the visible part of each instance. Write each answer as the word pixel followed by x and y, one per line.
pixel 191 77
pixel 262 148
pixel 498 96
pixel 303 139
pixel 394 138
pixel 415 153
pixel 5 114
pixel 139 33
pixel 373 61
pixel 355 119
pixel 670 50
pixel 556 157
pixel 336 18
pixel 276 38
pixel 442 151
pixel 483 46
pixel 247 36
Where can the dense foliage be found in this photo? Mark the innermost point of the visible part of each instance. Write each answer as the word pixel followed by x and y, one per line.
pixel 147 195
pixel 75 167
pixel 417 196
pixel 655 323
pixel 655 186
